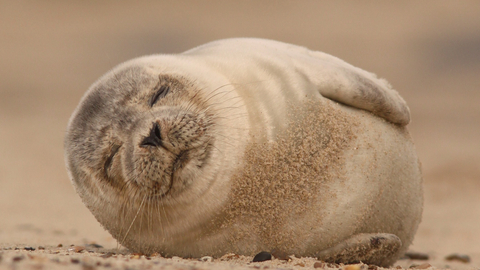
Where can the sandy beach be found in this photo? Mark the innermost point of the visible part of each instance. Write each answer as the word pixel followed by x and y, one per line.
pixel 52 51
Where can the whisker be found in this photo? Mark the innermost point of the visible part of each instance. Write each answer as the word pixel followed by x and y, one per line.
pixel 134 218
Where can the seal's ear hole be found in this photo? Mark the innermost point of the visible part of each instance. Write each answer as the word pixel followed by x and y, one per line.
pixel 160 93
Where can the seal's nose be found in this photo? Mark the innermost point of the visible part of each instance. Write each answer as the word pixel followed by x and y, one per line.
pixel 154 138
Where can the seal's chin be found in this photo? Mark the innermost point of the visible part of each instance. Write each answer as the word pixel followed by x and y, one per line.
pixel 157 171
pixel 162 174
pixel 160 182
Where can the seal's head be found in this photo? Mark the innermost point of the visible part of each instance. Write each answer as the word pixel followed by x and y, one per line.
pixel 139 139
pixel 142 133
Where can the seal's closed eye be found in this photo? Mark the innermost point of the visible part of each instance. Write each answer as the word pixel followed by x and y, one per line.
pixel 161 93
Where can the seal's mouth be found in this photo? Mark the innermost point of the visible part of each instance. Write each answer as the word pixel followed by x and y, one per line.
pixel 170 154
pixel 180 161
pixel 178 164
pixel 161 164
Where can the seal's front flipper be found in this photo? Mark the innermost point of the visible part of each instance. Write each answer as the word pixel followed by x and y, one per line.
pixel 375 248
pixel 352 86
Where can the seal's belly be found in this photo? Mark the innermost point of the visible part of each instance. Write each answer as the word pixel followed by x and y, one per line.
pixel 323 178
pixel 285 183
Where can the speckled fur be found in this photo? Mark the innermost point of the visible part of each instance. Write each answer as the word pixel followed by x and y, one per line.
pixel 244 145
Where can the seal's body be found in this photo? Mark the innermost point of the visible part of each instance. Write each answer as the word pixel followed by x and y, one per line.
pixel 244 145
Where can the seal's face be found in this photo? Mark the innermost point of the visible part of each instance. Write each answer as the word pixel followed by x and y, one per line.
pixel 139 135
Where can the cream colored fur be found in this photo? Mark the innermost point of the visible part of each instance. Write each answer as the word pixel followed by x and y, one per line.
pixel 250 92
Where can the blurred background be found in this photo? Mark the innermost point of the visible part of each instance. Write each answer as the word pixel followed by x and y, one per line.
pixel 51 51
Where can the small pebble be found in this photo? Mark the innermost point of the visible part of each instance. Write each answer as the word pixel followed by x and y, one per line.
pixel 41 248
pixel 262 256
pixel 29 248
pixel 74 260
pixel 319 265
pixel 416 256
pixel 300 264
pixel 206 259
pixel 458 257
pixel 107 255
pixel 77 249
pixel 17 258
pixel 59 245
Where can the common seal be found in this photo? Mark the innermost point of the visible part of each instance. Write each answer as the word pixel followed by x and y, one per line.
pixel 243 145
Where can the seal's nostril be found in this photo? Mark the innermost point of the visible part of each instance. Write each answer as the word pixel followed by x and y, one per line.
pixel 156 128
pixel 154 138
